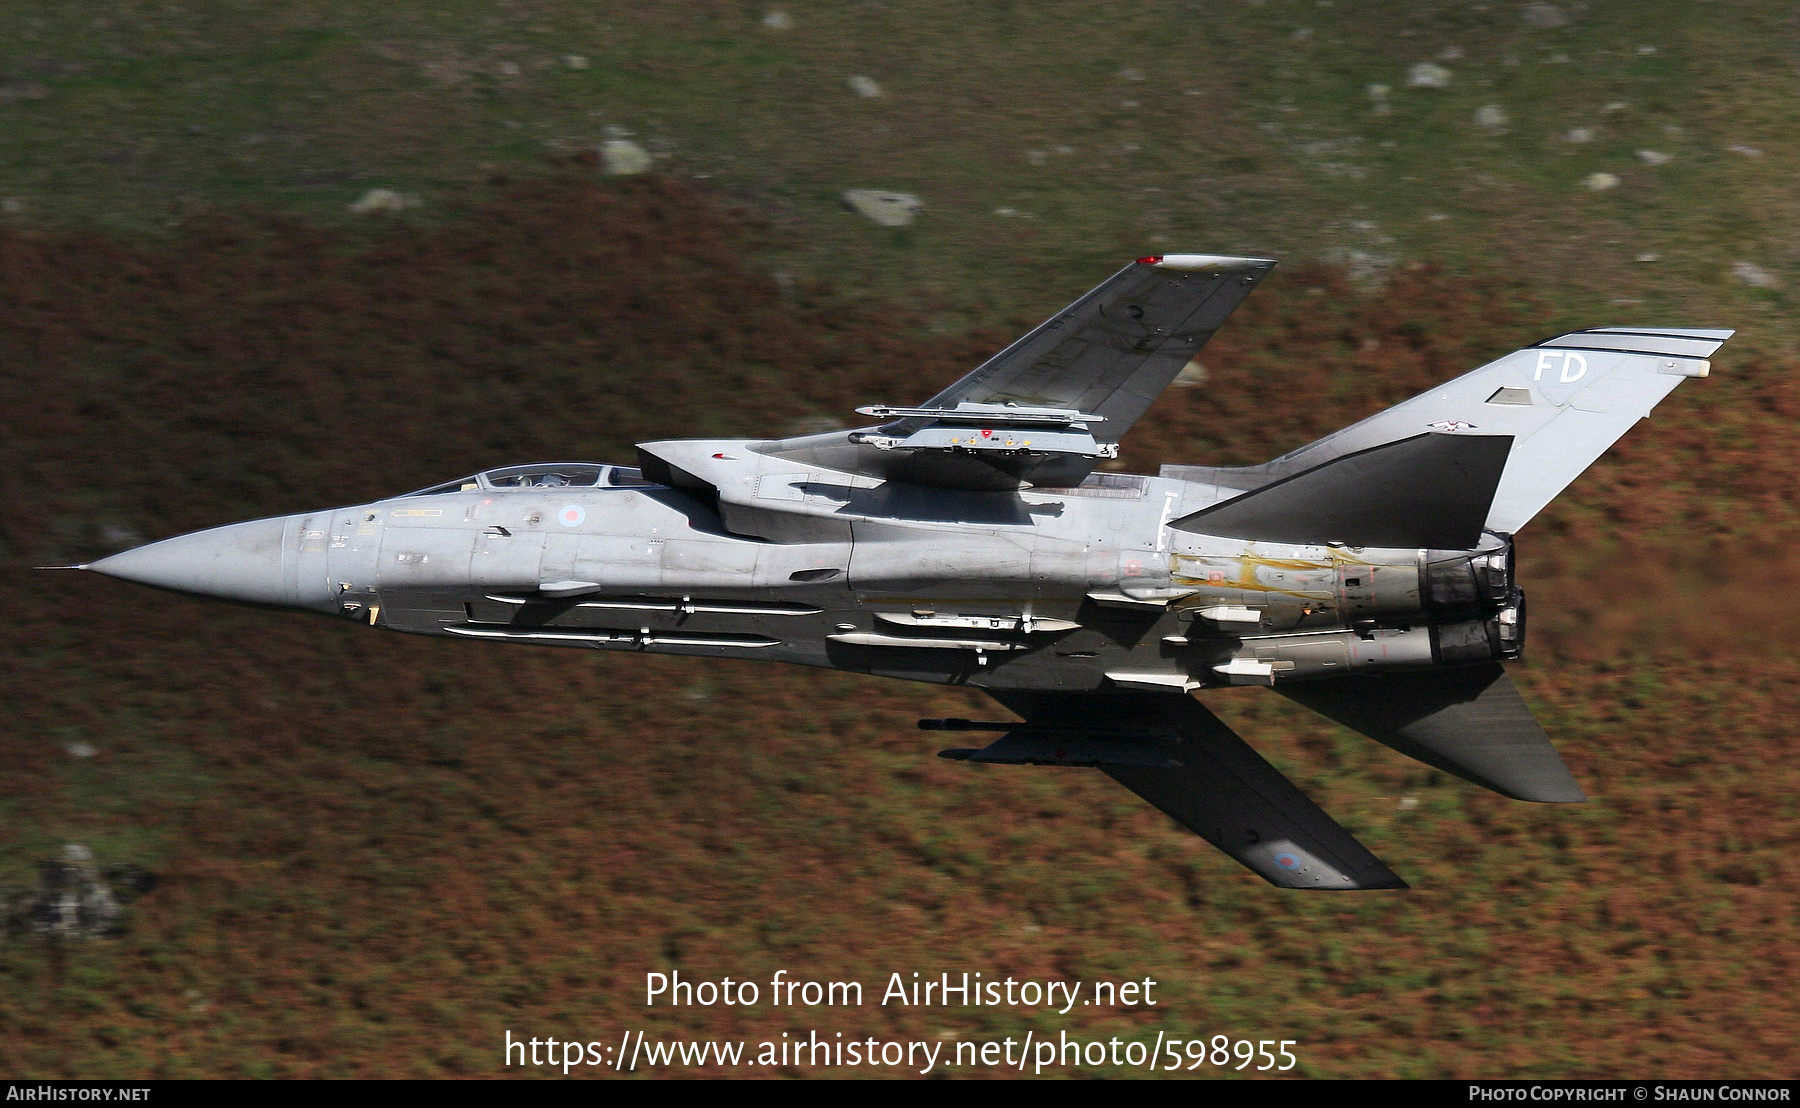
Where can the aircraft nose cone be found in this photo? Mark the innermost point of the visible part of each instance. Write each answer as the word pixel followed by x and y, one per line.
pixel 251 563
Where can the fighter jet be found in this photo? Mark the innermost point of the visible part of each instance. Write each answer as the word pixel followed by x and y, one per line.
pixel 975 539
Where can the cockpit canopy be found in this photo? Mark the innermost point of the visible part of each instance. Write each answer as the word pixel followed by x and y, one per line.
pixel 545 475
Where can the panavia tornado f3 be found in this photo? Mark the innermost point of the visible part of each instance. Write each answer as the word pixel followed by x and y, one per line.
pixel 970 540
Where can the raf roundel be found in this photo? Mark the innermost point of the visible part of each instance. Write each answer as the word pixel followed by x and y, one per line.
pixel 572 515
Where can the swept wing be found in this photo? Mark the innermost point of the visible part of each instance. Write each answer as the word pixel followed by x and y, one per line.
pixel 1112 352
pixel 1048 408
pixel 1171 751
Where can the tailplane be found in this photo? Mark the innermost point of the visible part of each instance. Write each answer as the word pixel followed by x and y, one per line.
pixel 1468 721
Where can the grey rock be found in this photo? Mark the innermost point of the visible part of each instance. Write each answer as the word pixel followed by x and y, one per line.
pixel 1755 275
pixel 623 158
pixel 1492 117
pixel 1544 16
pixel 72 901
pixel 1428 75
pixel 377 201
pixel 890 209
pixel 1365 268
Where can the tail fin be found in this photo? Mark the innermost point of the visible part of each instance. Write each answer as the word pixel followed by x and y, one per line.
pixel 1563 402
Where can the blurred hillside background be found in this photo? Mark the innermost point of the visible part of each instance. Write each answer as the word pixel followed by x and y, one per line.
pixel 257 259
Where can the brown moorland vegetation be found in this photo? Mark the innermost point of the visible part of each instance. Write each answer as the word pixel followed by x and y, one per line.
pixel 379 854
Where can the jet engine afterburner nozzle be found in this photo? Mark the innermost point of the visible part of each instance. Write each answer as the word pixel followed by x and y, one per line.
pixel 1478 608
pixel 1465 582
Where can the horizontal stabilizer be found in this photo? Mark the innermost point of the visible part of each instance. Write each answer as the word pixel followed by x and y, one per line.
pixel 1430 490
pixel 1220 789
pixel 1470 722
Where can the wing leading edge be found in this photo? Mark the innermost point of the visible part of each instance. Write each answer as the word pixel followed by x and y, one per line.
pixel 1046 409
pixel 1175 754
pixel 1112 352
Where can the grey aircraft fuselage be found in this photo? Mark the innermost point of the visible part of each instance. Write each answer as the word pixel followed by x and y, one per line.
pixel 1071 589
pixel 975 540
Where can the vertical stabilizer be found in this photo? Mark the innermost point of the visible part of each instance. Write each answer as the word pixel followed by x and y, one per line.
pixel 1563 402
